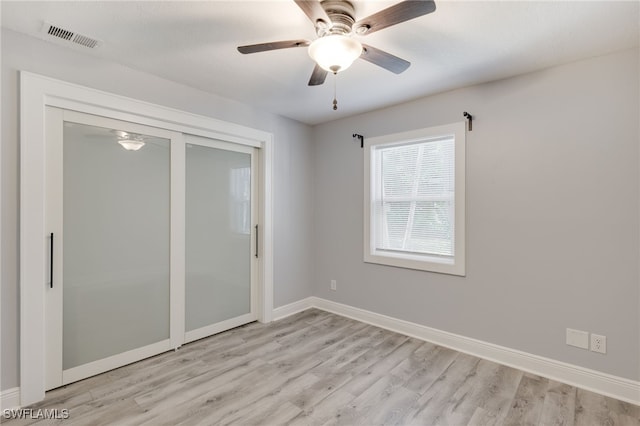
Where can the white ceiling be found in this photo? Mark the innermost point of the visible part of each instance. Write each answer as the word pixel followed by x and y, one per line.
pixel 460 44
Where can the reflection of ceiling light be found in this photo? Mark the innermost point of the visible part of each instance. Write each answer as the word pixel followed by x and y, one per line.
pixel 131 144
pixel 129 141
pixel 335 52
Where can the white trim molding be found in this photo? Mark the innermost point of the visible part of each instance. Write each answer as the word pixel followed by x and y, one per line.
pixel 591 380
pixel 10 399
pixel 293 308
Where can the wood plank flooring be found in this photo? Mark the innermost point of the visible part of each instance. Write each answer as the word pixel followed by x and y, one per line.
pixel 316 368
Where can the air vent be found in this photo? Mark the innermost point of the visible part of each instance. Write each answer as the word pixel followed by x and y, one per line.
pixel 70 36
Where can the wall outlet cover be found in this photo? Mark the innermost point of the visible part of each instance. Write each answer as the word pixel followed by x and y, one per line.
pixel 599 343
pixel 578 338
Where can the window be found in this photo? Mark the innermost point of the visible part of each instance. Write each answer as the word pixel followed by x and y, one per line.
pixel 240 190
pixel 414 199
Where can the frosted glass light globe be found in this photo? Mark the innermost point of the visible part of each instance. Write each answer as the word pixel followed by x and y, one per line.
pixel 335 52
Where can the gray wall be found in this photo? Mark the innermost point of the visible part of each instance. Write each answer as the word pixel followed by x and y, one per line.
pixel 552 214
pixel 292 155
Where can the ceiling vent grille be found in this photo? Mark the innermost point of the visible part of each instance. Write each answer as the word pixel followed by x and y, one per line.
pixel 70 36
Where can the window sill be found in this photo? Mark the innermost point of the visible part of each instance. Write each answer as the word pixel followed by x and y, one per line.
pixel 417 262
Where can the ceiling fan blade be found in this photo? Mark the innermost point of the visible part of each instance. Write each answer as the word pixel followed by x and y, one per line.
pixel 318 76
pixel 383 59
pixel 314 11
pixel 274 45
pixel 393 15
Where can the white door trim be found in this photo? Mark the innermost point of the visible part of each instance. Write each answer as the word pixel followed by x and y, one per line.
pixel 37 92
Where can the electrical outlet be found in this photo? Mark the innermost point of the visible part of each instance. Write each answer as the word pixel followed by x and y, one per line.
pixel 598 343
pixel 577 338
pixel 334 285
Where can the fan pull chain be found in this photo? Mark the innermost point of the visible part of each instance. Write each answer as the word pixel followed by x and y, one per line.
pixel 335 98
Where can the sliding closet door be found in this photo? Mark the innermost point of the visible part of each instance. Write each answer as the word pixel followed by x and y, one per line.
pixel 152 237
pixel 220 236
pixel 109 205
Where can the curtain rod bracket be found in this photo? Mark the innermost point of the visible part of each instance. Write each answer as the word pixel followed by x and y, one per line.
pixel 355 135
pixel 470 118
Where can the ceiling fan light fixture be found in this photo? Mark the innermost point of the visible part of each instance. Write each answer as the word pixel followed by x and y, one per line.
pixel 335 52
pixel 131 144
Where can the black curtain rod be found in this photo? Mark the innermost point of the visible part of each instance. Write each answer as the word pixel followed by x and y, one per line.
pixel 355 135
pixel 470 118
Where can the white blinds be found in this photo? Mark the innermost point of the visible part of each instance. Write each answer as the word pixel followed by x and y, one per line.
pixel 413 197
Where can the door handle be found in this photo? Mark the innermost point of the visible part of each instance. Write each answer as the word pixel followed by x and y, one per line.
pixel 51 261
pixel 256 241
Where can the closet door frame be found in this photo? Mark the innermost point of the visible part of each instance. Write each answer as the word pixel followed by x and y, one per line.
pixel 38 92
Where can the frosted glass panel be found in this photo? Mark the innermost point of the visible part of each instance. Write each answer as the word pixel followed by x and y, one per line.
pixel 115 244
pixel 218 235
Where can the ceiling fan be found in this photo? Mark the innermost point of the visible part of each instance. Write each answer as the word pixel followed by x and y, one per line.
pixel 335 49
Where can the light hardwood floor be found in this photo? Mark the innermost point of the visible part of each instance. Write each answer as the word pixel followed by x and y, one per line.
pixel 316 368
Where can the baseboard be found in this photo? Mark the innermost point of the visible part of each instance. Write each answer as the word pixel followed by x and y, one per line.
pixel 293 308
pixel 10 398
pixel 592 380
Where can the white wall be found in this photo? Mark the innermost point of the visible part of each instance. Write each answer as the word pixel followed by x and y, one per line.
pixel 552 214
pixel 293 215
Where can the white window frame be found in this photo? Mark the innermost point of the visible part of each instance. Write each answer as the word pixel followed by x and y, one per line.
pixel 454 266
